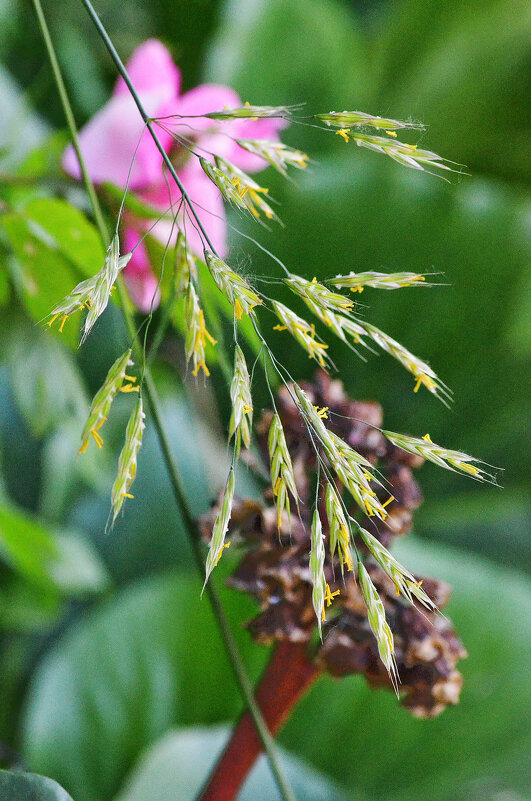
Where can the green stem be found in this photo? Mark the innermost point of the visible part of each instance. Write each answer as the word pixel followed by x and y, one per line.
pixel 230 644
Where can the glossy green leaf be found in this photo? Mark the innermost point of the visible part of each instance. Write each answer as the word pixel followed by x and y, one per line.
pixel 59 561
pixel 45 380
pixel 65 228
pixel 475 750
pixel 41 274
pixel 160 661
pixel 30 787
pixel 178 765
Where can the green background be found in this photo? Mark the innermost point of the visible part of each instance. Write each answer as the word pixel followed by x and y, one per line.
pixel 72 596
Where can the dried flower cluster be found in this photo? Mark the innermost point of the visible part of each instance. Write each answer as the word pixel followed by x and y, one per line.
pixel 377 619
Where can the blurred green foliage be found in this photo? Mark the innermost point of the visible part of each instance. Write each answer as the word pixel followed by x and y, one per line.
pixel 73 596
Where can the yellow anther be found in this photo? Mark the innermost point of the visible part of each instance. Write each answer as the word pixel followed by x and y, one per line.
pixel 344 132
pixel 424 379
pixel 277 485
pixel 247 409
pixel 63 321
pixel 280 328
pixel 131 378
pixel 356 289
pixel 97 439
pixel 322 413
pixel 391 133
pixel 238 309
pixel 389 639
pixel 129 388
pixel 54 318
pixel 226 545
pixel 388 501
pixel 329 596
pixel 468 467
pixel 84 446
pixel 201 366
pixel 127 495
pixel 97 428
pixel 348 560
pixel 427 438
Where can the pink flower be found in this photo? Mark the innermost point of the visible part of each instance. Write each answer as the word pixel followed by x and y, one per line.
pixel 109 140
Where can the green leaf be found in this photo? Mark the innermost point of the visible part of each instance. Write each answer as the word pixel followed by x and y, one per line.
pixel 30 787
pixel 59 561
pixel 45 379
pixel 159 661
pixel 476 749
pixel 45 161
pixel 67 230
pixel 178 765
pixel 41 274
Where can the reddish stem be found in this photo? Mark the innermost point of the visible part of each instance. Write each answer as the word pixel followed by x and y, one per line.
pixel 287 677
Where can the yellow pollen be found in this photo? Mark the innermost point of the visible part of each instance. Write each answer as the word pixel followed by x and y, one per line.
pixel 344 132
pixel 131 378
pixel 247 409
pixel 322 413
pixel 280 328
pixel 356 289
pixel 226 545
pixel 238 309
pixel 329 596
pixel 127 495
pixel 391 133
pixel 427 438
pixel 129 388
pixel 63 321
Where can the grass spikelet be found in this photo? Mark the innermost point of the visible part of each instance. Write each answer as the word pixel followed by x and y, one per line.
pixel 234 286
pixel 242 403
pixel 217 543
pixel 248 191
pixel 357 281
pixel 250 112
pixel 101 404
pixel 403 580
pixel 302 331
pixel 422 372
pixel 378 623
pixel 347 119
pixel 128 459
pixel 318 294
pixel 317 557
pixel 338 527
pixel 93 293
pixel 279 155
pixel 407 155
pixel 196 333
pixel 282 477
pixel 457 461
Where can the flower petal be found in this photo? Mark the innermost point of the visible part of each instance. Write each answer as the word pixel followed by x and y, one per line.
pixel 152 70
pixel 108 144
pixel 142 284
